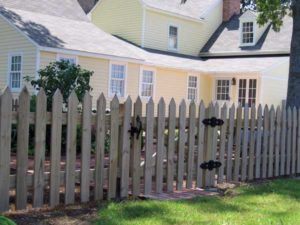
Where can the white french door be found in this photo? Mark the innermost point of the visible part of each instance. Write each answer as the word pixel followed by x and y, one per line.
pixel 247 92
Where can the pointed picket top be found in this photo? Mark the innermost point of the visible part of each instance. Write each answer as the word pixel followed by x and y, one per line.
pixel 272 112
pixel 41 93
pixel 87 96
pixel 24 93
pixel 172 104
pixel 128 101
pixel 266 109
pixel 201 106
pixel 7 94
pixel 232 107
pixel 182 106
pixel 101 100
pixel 150 101
pixel 73 100
pixel 57 95
pixel 224 107
pixel 162 102
pixel 192 104
pixel 294 115
pixel 278 111
pixel 114 104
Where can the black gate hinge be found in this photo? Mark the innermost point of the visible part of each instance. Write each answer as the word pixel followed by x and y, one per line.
pixel 213 122
pixel 136 129
pixel 210 165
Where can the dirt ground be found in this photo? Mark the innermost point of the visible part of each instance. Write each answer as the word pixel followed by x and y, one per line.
pixel 71 215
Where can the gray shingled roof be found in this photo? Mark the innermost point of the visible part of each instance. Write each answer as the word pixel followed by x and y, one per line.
pixel 195 9
pixel 63 33
pixel 62 8
pixel 226 39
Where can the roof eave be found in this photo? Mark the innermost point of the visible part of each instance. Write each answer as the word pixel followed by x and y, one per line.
pixel 244 53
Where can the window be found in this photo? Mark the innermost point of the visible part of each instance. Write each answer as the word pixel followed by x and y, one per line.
pixel 173 38
pixel 15 72
pixel 192 88
pixel 117 80
pixel 147 83
pixel 70 59
pixel 247 92
pixel 223 87
pixel 247 33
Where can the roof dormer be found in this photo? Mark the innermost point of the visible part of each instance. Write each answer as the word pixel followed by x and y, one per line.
pixel 250 30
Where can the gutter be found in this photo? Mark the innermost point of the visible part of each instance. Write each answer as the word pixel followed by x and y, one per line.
pixel 244 54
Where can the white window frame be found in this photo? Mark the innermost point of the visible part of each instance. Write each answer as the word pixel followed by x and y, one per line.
pixel 10 55
pixel 242 44
pixel 59 56
pixel 197 87
pixel 142 69
pixel 247 89
pixel 216 89
pixel 111 63
pixel 170 48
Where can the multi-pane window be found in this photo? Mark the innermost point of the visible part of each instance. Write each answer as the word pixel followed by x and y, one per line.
pixel 173 38
pixel 247 92
pixel 147 83
pixel 15 73
pixel 247 33
pixel 223 88
pixel 117 80
pixel 192 88
pixel 71 60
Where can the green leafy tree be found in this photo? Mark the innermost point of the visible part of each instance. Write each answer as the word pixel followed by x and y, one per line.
pixel 64 76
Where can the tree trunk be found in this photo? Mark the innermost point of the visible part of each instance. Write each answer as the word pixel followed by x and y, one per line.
pixel 293 97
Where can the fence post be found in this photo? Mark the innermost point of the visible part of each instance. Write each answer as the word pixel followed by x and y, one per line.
pixel 277 140
pixel 5 147
pixel 191 144
pixel 223 143
pixel 230 144
pixel 237 154
pixel 181 145
pixel 271 142
pixel 283 142
pixel 245 143
pixel 252 143
pixel 200 144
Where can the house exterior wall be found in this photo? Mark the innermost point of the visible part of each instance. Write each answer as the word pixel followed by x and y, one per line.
pixel 275 84
pixel 122 18
pixel 11 42
pixel 168 83
pixel 192 36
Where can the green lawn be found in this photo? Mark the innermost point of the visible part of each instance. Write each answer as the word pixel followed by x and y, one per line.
pixel 275 203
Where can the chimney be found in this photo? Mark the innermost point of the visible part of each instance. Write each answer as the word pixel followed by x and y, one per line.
pixel 230 8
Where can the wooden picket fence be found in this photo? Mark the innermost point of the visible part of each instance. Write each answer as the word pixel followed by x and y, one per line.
pixel 253 143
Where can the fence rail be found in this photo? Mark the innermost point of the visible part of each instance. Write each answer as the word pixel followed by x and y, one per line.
pixel 253 143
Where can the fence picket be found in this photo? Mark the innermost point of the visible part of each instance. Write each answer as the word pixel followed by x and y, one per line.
pixel 71 148
pixel 245 143
pixel 289 141
pixel 100 147
pixel 266 134
pixel 5 146
pixel 214 143
pixel 86 148
pixel 237 153
pixel 230 144
pixel 252 143
pixel 208 147
pixel 39 146
pixel 222 144
pixel 277 140
pixel 136 151
pixel 258 155
pixel 160 145
pixel 114 148
pixel 56 131
pixel 181 145
pixel 294 140
pixel 125 156
pixel 22 149
pixel 271 143
pixel 149 147
pixel 191 145
pixel 171 145
pixel 283 142
pixel 200 145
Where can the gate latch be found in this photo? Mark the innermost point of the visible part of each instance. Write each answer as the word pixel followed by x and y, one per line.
pixel 136 129
pixel 213 122
pixel 210 165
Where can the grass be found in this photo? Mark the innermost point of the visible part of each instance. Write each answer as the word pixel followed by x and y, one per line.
pixel 277 202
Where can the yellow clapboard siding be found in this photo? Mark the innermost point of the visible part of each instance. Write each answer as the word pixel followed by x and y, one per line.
pixel 12 41
pixel 122 18
pixel 192 36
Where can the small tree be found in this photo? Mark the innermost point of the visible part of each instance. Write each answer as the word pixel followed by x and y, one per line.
pixel 64 76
